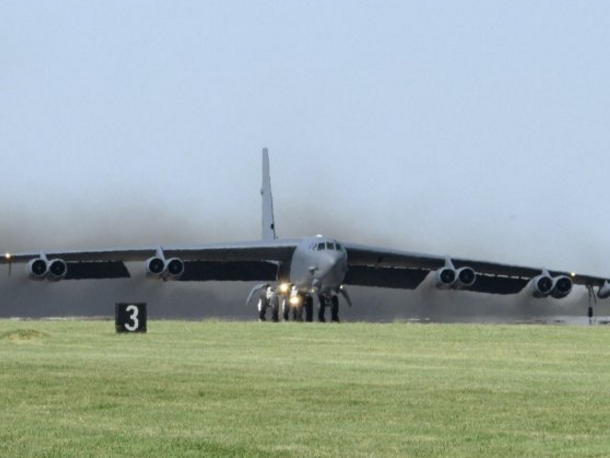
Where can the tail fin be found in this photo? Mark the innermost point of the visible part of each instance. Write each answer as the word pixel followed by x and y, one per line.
pixel 268 219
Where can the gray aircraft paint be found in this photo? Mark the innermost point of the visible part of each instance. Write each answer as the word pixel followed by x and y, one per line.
pixel 310 270
pixel 318 271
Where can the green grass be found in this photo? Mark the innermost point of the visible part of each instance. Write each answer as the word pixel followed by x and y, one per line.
pixel 222 389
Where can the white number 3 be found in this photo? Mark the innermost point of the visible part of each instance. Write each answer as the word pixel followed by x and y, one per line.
pixel 134 318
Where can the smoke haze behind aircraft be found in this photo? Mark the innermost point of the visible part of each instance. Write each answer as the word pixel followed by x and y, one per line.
pixel 26 298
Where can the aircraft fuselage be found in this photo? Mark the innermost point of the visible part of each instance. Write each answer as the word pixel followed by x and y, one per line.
pixel 318 266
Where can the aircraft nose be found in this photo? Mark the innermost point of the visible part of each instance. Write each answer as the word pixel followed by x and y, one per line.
pixel 328 266
pixel 325 263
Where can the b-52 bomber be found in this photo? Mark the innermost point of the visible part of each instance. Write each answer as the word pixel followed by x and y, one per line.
pixel 294 272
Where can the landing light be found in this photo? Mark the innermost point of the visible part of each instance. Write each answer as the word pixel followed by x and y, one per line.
pixel 294 300
pixel 7 256
pixel 284 287
pixel 573 274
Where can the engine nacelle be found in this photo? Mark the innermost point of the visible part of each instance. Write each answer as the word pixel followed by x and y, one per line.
pixel 562 286
pixel 445 278
pixel 154 267
pixel 465 277
pixel 542 285
pixel 40 269
pixel 170 269
pixel 174 268
pixel 604 291
pixel 37 269
pixel 57 270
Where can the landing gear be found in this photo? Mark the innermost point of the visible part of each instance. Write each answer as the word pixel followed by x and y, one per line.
pixel 275 309
pixel 334 309
pixel 321 309
pixel 297 311
pixel 592 302
pixel 268 299
pixel 308 306
pixel 262 308
pixel 303 304
pixel 285 310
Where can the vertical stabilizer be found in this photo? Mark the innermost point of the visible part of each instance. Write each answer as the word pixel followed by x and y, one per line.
pixel 268 219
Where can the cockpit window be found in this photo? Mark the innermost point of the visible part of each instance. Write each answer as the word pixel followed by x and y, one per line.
pixel 331 246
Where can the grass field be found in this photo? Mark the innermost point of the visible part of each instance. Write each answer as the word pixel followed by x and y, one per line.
pixel 223 389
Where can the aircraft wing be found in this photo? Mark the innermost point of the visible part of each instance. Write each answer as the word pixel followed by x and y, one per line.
pixel 240 261
pixel 372 266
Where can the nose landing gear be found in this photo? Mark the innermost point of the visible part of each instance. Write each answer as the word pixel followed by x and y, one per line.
pixel 322 309
pixel 308 306
pixel 334 308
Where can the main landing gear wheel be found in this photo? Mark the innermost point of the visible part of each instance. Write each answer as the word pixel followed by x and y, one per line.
pixel 308 306
pixel 275 309
pixel 297 310
pixel 334 309
pixel 262 309
pixel 322 309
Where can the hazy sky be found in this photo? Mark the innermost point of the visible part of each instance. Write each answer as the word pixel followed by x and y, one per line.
pixel 474 128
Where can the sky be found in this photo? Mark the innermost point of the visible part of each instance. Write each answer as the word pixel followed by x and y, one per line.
pixel 475 129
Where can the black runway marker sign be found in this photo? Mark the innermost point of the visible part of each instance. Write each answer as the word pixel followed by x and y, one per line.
pixel 130 317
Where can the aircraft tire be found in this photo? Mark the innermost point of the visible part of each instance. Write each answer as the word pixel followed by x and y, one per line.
pixel 334 309
pixel 275 309
pixel 297 311
pixel 322 309
pixel 262 309
pixel 308 306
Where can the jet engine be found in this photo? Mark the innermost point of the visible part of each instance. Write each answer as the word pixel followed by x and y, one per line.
pixel 57 270
pixel 154 267
pixel 40 269
pixel 448 277
pixel 562 286
pixel 174 268
pixel 445 278
pixel 171 269
pixel 604 291
pixel 465 277
pixel 542 285
pixel 37 269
